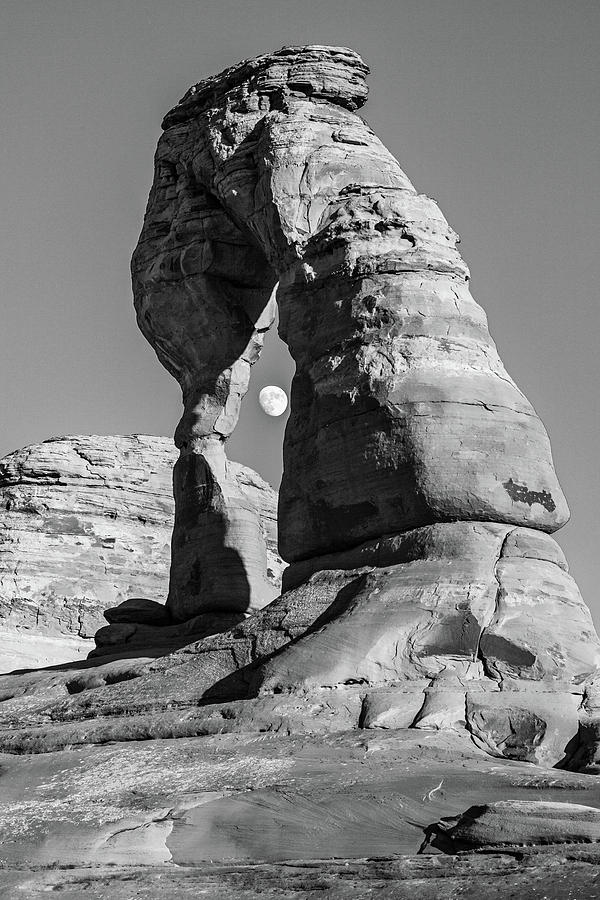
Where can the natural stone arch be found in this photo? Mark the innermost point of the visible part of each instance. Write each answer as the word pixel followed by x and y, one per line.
pixel 418 482
pixel 402 414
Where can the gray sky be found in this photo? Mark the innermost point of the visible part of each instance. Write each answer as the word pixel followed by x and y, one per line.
pixel 491 106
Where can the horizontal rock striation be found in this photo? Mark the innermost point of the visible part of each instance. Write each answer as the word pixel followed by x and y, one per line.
pixel 85 525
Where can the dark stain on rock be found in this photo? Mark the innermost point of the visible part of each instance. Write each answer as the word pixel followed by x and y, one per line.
pixel 454 635
pixel 62 524
pixel 499 648
pixel 521 494
pixel 516 732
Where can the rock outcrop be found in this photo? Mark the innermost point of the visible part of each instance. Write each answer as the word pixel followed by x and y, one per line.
pixel 85 523
pixel 85 526
pixel 414 467
pixel 424 590
pixel 401 412
pixel 518 823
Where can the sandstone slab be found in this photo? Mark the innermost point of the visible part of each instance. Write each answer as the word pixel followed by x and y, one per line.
pixel 522 822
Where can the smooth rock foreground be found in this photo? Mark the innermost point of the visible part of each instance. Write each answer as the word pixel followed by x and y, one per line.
pixel 428 644
pixel 246 817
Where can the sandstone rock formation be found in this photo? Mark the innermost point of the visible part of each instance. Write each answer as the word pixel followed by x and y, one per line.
pixel 414 468
pixel 86 525
pixel 401 411
pixel 427 631
pixel 520 822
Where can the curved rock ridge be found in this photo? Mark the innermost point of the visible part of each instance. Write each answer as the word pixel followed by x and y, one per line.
pixel 402 413
pixel 85 524
pixel 518 823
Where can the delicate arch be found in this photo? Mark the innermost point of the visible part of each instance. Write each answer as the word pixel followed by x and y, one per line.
pixel 401 411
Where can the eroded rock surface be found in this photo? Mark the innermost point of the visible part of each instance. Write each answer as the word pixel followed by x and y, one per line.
pixel 402 413
pixel 418 480
pixel 85 523
pixel 519 823
pixel 418 491
pixel 85 526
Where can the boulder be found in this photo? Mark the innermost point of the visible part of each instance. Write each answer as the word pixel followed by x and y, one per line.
pixel 521 823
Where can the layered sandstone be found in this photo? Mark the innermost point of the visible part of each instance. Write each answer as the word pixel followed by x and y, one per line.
pixel 402 413
pixel 425 590
pixel 86 525
pixel 414 467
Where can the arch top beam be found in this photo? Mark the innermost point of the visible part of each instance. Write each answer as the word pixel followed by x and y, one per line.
pixel 335 74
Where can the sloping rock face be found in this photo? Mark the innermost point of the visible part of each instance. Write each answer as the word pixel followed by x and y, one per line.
pixel 244 817
pixel 86 525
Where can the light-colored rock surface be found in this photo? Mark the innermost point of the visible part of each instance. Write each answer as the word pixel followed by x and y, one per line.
pixel 85 525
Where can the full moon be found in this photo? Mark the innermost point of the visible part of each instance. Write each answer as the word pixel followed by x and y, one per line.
pixel 273 400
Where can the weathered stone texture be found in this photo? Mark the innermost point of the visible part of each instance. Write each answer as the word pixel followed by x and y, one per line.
pixel 418 491
pixel 402 413
pixel 521 823
pixel 418 481
pixel 85 525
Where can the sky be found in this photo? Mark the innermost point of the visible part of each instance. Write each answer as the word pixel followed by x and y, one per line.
pixel 491 108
